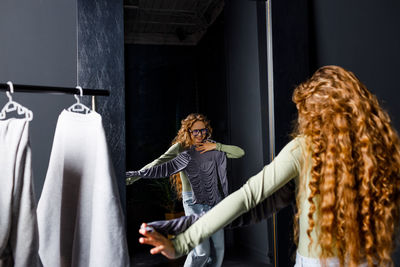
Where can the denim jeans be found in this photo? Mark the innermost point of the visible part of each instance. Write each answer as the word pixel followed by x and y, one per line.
pixel 302 261
pixel 211 251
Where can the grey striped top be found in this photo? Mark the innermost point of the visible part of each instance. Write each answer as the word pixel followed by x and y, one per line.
pixel 204 171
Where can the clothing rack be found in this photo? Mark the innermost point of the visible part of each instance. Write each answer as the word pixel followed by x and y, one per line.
pixel 52 89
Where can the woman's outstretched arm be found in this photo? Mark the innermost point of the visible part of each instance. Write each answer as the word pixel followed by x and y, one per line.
pixel 171 153
pixel 165 169
pixel 264 210
pixel 273 176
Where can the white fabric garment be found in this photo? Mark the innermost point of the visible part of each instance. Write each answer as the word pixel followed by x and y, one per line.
pixel 18 226
pixel 81 223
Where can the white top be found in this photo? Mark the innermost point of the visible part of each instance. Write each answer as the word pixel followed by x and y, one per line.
pixel 80 219
pixel 18 227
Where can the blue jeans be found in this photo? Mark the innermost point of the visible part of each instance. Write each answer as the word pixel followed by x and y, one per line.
pixel 211 251
pixel 302 261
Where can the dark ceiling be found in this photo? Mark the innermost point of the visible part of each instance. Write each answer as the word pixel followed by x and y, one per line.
pixel 174 22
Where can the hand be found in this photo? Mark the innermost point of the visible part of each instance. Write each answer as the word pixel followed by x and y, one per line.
pixel 204 147
pixel 160 243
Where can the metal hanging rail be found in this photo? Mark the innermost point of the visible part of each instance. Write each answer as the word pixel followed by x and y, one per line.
pixel 23 88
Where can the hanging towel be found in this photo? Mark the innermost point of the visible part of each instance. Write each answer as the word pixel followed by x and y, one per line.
pixel 18 226
pixel 81 223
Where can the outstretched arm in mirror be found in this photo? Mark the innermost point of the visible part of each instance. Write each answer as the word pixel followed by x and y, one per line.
pixel 160 243
pixel 165 169
pixel 171 153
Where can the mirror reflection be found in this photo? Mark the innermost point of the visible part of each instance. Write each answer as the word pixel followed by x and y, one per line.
pixel 176 64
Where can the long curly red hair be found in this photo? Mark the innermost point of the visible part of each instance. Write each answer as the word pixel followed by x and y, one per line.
pixel 184 138
pixel 355 168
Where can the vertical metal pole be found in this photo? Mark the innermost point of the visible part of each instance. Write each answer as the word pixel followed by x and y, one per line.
pixel 271 110
pixel 270 67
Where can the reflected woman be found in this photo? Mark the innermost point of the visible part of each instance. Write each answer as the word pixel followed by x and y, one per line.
pixel 346 158
pixel 196 175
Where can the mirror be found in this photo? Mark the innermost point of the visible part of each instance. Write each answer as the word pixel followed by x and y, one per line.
pixel 193 57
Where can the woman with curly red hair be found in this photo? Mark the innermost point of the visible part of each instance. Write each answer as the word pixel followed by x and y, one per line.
pixel 346 158
pixel 194 136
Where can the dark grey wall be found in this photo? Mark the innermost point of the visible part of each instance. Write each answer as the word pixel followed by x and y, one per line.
pixel 211 80
pixel 245 110
pixel 365 40
pixel 364 37
pixel 160 92
pixel 101 65
pixel 38 47
pixel 291 67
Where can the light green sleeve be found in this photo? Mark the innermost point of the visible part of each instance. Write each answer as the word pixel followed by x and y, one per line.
pixel 273 176
pixel 232 152
pixel 171 153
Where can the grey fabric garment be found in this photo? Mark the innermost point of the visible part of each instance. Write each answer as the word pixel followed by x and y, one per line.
pixel 80 219
pixel 166 169
pixel 18 225
pixel 277 201
pixel 175 226
pixel 204 172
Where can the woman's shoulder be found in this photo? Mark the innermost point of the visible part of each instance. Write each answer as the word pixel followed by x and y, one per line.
pixel 299 140
pixel 176 145
pixel 181 149
pixel 175 148
pixel 297 146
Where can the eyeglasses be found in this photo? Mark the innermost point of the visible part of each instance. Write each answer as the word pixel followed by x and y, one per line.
pixel 197 132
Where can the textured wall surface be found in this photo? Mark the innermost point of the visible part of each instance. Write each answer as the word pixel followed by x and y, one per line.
pixel 101 66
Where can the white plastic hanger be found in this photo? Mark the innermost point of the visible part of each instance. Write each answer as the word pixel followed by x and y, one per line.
pixel 78 106
pixel 14 106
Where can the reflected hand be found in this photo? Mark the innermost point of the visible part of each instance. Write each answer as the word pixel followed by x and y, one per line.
pixel 160 243
pixel 207 146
